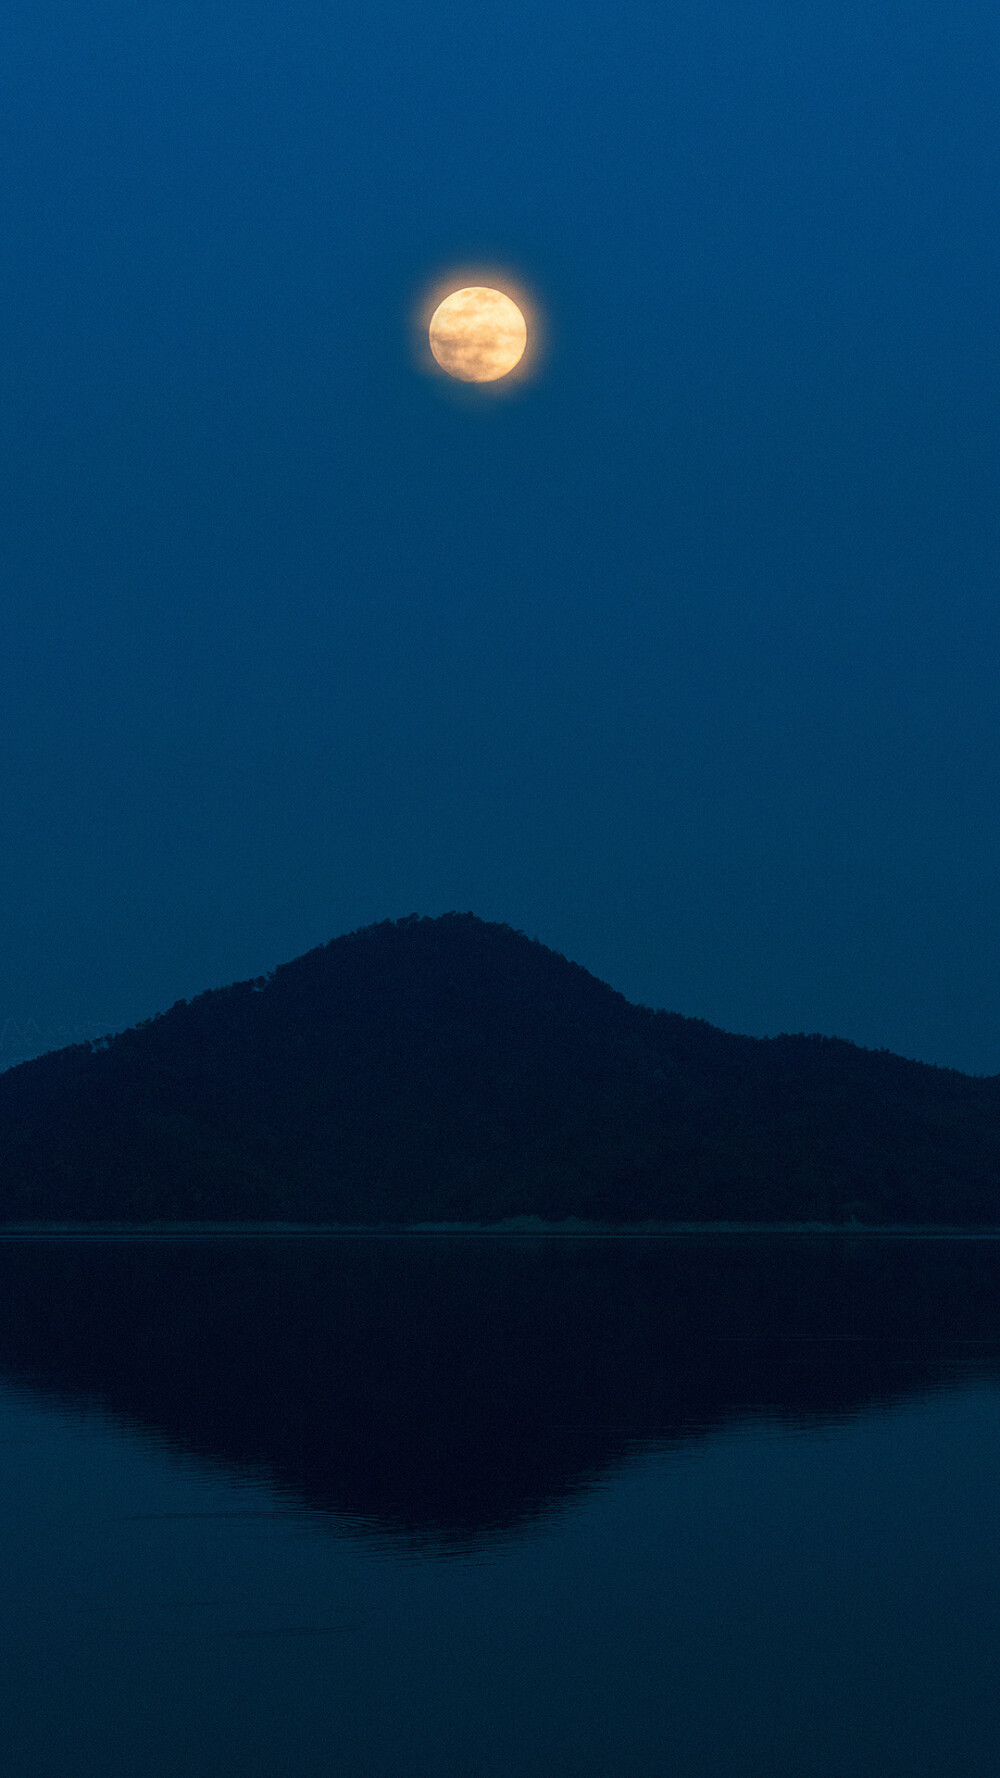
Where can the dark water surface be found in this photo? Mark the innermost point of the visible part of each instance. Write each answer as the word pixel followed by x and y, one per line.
pixel 444 1508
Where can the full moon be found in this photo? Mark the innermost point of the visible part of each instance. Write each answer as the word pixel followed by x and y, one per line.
pixel 477 334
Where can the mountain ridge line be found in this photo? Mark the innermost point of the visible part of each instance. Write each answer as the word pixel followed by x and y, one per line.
pixel 450 1070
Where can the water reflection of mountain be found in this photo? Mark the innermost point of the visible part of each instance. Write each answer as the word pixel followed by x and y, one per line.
pixel 450 1390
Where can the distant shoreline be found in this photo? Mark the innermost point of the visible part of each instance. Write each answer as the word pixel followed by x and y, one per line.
pixel 516 1228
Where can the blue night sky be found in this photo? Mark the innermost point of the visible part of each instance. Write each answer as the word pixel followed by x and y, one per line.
pixel 684 657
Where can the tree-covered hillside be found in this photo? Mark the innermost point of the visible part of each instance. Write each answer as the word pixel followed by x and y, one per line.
pixel 450 1069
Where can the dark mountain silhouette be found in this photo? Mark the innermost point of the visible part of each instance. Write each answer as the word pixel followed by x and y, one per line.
pixel 449 1069
pixel 452 1391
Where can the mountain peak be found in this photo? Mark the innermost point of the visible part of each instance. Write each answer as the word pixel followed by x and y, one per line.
pixel 452 1068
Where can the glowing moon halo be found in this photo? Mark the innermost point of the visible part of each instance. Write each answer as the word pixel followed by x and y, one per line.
pixel 477 334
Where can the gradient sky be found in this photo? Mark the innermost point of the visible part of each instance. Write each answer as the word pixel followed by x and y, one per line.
pixel 683 659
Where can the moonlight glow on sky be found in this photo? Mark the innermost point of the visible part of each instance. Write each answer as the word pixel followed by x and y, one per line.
pixel 478 334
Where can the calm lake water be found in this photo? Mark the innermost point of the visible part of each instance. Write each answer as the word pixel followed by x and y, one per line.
pixel 442 1508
